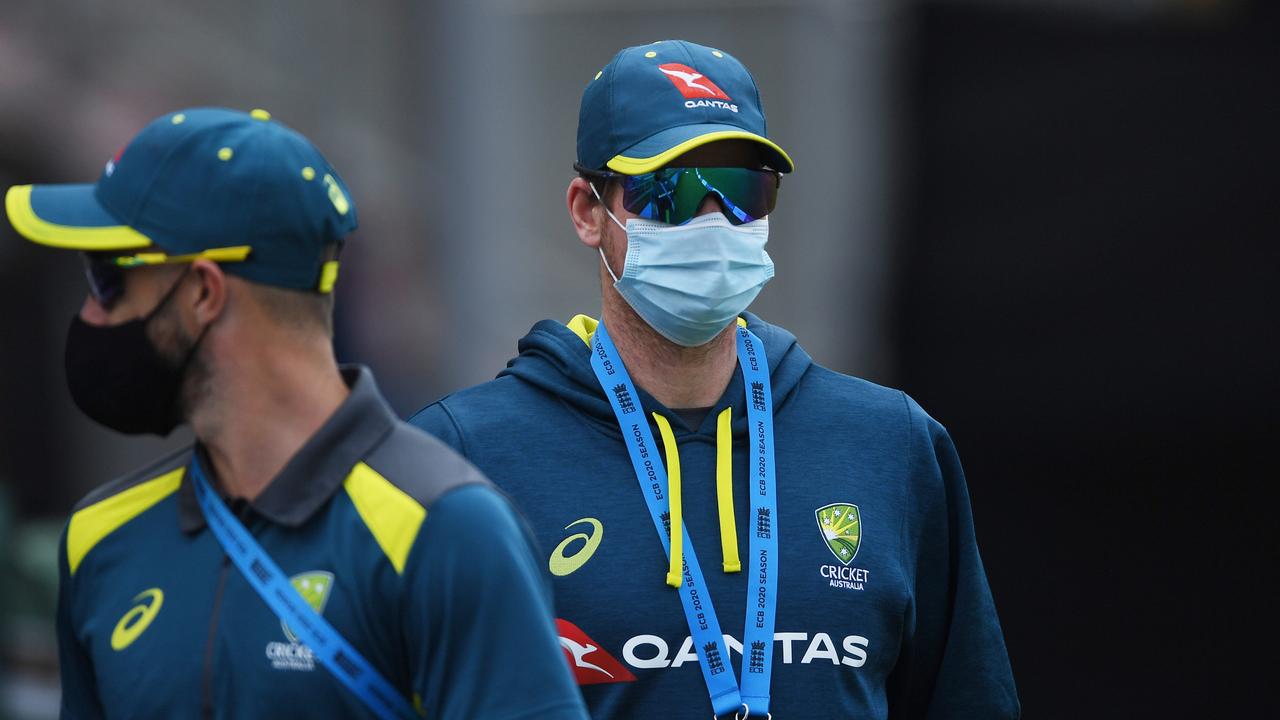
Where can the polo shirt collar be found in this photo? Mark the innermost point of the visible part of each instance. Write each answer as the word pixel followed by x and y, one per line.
pixel 317 470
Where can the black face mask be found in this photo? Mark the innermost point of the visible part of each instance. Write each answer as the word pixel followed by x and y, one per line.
pixel 119 378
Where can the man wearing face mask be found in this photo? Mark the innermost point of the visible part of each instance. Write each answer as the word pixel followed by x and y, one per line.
pixel 836 572
pixel 310 555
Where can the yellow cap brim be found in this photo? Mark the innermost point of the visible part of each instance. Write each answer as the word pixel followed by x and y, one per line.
pixel 46 231
pixel 639 165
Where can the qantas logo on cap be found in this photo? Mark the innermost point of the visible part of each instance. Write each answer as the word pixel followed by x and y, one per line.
pixel 590 664
pixel 691 83
pixel 110 169
pixel 697 89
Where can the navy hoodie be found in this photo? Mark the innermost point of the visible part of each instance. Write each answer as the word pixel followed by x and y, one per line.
pixel 883 605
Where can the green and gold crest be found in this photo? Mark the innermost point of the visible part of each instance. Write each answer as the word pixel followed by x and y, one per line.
pixel 314 587
pixel 841 527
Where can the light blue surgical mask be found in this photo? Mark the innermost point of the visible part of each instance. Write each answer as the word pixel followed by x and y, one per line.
pixel 688 282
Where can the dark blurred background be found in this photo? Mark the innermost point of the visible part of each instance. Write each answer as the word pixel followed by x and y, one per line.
pixel 1053 223
pixel 1086 294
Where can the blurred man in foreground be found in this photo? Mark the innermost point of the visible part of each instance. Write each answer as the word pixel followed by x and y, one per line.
pixel 861 593
pixel 311 555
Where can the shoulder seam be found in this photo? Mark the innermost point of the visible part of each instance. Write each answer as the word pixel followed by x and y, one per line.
pixel 426 407
pixel 434 461
pixel 457 427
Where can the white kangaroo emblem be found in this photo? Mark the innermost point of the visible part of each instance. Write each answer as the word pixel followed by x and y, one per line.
pixel 688 79
pixel 580 651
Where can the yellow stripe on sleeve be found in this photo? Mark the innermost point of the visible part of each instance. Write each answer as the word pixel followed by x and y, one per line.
pixel 392 516
pixel 89 526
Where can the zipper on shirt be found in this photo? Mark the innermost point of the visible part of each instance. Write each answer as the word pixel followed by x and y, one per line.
pixel 206 710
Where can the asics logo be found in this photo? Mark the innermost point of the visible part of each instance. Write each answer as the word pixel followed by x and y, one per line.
pixel 691 83
pixel 562 564
pixel 139 617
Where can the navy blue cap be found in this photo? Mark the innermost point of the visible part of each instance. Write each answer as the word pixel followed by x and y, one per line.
pixel 653 103
pixel 202 180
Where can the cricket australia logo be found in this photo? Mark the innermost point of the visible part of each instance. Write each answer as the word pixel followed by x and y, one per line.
pixel 314 587
pixel 841 526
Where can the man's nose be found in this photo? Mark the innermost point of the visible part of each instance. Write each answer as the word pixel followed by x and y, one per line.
pixel 710 203
pixel 92 311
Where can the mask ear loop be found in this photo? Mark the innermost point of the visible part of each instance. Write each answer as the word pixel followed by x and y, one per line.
pixel 195 344
pixel 600 247
pixel 190 354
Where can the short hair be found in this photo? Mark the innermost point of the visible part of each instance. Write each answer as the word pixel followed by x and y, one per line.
pixel 305 310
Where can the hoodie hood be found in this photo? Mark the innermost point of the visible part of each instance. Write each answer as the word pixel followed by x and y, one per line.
pixel 556 358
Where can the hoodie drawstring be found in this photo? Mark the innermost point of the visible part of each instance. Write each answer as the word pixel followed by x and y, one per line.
pixel 724 496
pixel 675 572
pixel 724 492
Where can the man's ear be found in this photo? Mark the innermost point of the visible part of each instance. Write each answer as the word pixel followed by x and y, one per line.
pixel 584 212
pixel 211 295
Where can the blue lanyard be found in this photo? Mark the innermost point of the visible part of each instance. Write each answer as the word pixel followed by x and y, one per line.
pixel 334 652
pixel 762 583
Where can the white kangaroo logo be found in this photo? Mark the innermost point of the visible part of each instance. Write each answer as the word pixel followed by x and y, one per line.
pixel 580 651
pixel 688 79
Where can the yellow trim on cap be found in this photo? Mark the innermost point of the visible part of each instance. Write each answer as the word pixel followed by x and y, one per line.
pixel 89 526
pixel 336 196
pixel 17 203
pixel 392 516
pixel 234 253
pixel 328 276
pixel 639 166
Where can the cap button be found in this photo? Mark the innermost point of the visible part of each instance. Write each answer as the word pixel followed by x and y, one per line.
pixel 259 114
